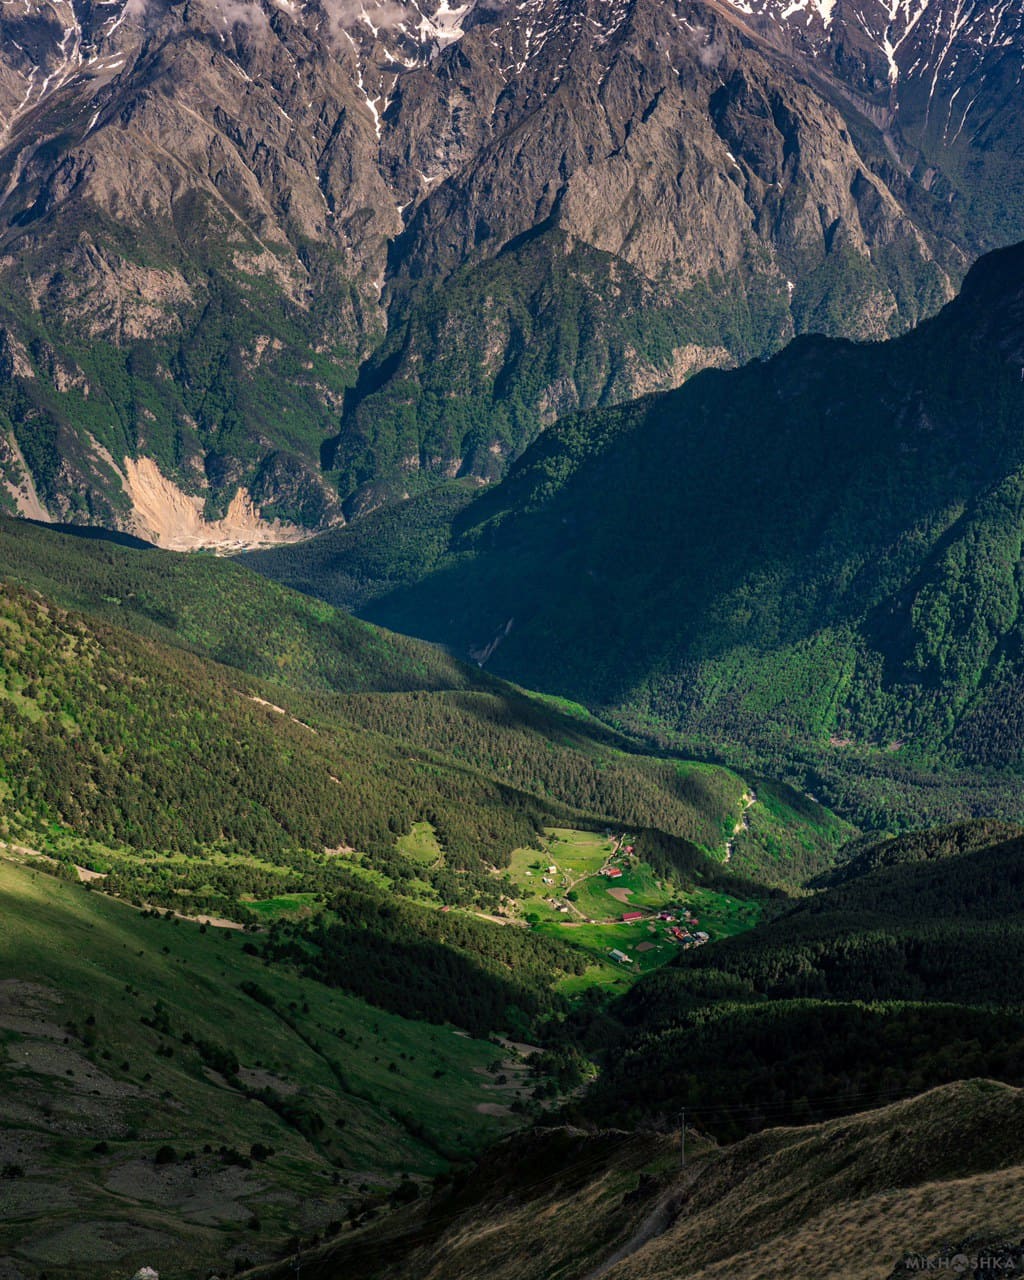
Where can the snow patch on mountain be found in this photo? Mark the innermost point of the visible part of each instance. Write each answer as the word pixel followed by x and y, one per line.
pixel 936 44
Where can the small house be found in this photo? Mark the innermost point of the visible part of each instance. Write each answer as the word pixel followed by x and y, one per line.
pixel 613 873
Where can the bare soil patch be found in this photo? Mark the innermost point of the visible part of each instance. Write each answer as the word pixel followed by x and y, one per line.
pixel 200 1191
pixel 256 1078
pixel 173 519
pixel 28 1007
pixel 95 1241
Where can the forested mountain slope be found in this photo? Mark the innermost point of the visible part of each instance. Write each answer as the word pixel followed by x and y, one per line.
pixel 815 557
pixel 307 729
pixel 896 979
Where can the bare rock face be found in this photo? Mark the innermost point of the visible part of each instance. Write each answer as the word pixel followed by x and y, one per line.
pixel 668 145
pixel 301 250
pixel 936 77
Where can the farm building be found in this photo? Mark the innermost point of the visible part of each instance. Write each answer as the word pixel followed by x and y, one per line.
pixel 621 956
pixel 629 916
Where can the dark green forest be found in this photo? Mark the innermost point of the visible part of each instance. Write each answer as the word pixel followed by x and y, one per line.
pixel 381 714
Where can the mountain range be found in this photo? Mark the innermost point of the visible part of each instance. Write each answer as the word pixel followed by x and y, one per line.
pixel 614 705
pixel 265 266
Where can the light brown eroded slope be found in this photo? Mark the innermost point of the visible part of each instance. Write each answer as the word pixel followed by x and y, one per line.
pixel 166 515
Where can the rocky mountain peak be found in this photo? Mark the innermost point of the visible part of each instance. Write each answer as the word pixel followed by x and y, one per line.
pixel 929 64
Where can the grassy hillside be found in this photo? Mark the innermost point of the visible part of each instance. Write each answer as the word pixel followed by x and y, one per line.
pixel 364 733
pixel 168 1099
pixel 849 1197
pixel 826 584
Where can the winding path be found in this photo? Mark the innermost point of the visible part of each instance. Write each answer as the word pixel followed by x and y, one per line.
pixel 743 824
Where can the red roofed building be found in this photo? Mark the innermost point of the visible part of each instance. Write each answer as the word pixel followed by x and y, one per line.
pixel 629 916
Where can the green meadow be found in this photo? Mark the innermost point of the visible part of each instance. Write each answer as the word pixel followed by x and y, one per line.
pixel 145 1060
pixel 590 906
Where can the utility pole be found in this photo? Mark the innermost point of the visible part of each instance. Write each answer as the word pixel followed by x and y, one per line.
pixel 682 1139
